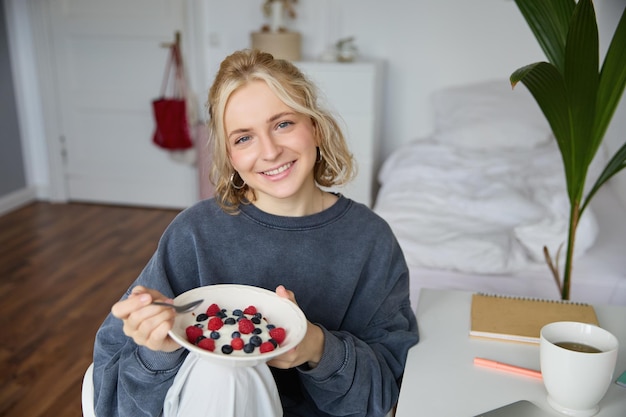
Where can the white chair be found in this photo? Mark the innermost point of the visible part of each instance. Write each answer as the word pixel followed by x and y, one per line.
pixel 87 393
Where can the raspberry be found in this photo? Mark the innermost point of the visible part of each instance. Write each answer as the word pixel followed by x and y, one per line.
pixel 237 343
pixel 246 326
pixel 193 333
pixel 215 323
pixel 266 347
pixel 251 310
pixel 278 334
pixel 213 310
pixel 207 344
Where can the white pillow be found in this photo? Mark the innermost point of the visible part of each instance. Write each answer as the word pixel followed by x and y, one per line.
pixel 489 115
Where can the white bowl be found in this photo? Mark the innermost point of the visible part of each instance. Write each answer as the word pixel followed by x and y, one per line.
pixel 276 310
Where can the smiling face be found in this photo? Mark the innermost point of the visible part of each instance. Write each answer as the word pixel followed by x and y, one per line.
pixel 273 149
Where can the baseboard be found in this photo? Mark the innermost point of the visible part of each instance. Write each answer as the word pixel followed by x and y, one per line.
pixel 17 199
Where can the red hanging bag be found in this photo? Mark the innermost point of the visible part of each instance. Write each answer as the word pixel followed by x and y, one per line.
pixel 170 113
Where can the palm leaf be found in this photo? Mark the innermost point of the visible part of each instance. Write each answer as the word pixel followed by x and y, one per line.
pixel 547 86
pixel 616 164
pixel 581 81
pixel 612 78
pixel 577 101
pixel 610 90
pixel 549 21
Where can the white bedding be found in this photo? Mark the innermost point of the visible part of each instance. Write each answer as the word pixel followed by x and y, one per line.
pixel 599 275
pixel 478 210
pixel 474 204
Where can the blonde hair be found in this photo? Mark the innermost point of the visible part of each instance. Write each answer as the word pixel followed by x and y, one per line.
pixel 335 164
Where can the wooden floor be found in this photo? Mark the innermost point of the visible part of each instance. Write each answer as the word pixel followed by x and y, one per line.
pixel 62 266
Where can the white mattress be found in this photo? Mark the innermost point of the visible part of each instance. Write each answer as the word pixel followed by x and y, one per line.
pixel 599 275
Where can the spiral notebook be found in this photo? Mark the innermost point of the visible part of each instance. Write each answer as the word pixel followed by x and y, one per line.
pixel 520 319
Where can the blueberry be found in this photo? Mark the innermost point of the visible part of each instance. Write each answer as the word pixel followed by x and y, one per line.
pixel 270 327
pixel 215 335
pixel 248 348
pixel 230 320
pixel 255 320
pixel 227 349
pixel 235 335
pixel 221 314
pixel 256 341
pixel 199 325
pixel 257 331
pixel 199 339
pixel 272 341
pixel 258 316
pixel 202 317
pixel 237 312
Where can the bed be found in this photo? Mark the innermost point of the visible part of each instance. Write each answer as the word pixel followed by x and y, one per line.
pixel 474 203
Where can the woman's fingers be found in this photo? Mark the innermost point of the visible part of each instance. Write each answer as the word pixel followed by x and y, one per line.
pixel 134 302
pixel 150 325
pixel 147 324
pixel 283 292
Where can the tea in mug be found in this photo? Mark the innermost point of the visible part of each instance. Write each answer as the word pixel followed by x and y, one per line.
pixel 578 347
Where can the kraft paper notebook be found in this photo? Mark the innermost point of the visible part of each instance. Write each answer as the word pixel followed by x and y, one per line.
pixel 520 319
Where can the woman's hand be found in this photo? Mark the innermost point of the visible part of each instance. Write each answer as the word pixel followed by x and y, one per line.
pixel 310 348
pixel 145 323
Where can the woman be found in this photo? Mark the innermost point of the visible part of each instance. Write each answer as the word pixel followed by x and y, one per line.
pixel 271 226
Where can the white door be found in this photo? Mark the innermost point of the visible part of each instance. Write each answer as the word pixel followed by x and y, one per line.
pixel 108 67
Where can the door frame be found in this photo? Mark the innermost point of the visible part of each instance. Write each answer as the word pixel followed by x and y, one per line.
pixel 37 97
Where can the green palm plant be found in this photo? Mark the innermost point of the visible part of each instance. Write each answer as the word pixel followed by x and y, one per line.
pixel 577 100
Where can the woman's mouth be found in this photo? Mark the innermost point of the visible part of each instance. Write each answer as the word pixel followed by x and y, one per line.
pixel 278 170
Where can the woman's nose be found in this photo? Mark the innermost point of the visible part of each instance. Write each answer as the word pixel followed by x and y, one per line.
pixel 270 149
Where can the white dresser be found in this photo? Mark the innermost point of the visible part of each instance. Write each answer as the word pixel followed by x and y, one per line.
pixel 353 93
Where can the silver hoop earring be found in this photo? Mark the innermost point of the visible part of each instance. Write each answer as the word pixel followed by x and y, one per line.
pixel 232 182
pixel 320 158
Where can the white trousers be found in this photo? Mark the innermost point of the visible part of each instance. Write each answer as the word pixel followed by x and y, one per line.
pixel 203 389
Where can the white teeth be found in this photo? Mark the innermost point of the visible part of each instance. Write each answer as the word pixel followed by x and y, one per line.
pixel 278 170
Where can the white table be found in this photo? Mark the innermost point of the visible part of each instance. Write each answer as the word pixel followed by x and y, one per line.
pixel 440 378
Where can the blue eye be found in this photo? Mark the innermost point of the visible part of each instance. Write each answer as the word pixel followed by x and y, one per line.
pixel 283 125
pixel 242 139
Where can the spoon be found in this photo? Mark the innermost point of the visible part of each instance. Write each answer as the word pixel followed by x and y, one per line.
pixel 186 308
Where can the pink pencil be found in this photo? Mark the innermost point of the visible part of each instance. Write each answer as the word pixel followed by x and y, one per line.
pixel 507 368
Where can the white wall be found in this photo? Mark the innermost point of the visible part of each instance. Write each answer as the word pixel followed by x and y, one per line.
pixel 425 45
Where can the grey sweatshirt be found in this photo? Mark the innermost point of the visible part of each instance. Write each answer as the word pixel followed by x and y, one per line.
pixel 349 277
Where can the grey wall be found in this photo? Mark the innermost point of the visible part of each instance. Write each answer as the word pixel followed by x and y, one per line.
pixel 12 174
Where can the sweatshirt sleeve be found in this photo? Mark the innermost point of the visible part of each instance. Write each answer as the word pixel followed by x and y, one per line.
pixel 360 372
pixel 132 380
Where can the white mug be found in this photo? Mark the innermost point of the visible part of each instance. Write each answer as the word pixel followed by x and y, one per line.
pixel 577 377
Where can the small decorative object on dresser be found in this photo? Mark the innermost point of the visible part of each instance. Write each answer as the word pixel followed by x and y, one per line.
pixel 346 50
pixel 274 37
